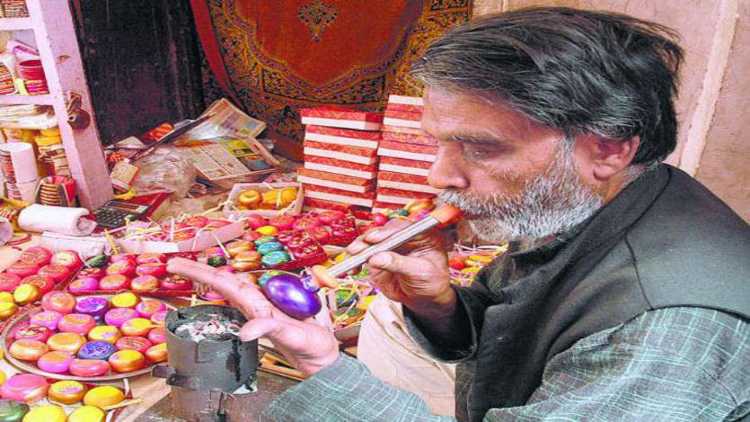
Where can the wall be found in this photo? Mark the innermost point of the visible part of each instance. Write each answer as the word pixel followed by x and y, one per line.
pixel 714 86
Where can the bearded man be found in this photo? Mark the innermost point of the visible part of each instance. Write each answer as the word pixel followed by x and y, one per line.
pixel 627 294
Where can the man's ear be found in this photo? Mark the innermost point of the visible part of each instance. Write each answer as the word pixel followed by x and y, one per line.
pixel 606 157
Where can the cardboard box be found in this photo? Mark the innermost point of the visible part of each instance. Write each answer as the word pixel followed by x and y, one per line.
pixel 202 240
pixel 293 209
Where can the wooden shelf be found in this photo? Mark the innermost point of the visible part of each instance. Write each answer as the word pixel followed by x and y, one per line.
pixel 15 24
pixel 45 99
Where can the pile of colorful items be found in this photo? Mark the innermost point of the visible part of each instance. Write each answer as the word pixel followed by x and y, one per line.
pixel 70 322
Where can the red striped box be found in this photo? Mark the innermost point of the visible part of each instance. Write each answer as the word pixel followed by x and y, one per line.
pixel 341 117
pixel 333 180
pixel 312 203
pixel 352 154
pixel 409 138
pixel 403 119
pixel 408 151
pixel 402 99
pixel 345 137
pixel 404 107
pixel 401 165
pixel 398 196
pixel 330 165
pixel 407 130
pixel 407 182
pixel 336 195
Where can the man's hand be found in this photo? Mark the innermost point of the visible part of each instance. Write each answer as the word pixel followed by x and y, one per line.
pixel 307 345
pixel 417 276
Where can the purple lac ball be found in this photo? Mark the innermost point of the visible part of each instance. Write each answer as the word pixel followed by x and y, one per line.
pixel 93 305
pixel 289 294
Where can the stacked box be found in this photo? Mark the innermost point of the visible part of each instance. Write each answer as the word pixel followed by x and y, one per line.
pixel 406 154
pixel 341 161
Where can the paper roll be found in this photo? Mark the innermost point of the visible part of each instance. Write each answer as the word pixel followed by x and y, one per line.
pixel 23 159
pixel 39 218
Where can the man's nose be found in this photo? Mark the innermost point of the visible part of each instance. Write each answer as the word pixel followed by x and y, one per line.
pixel 447 170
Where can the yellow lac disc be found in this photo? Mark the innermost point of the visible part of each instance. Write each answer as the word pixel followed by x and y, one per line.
pixel 6 297
pixel 45 413
pixel 103 396
pixel 87 414
pixel 125 300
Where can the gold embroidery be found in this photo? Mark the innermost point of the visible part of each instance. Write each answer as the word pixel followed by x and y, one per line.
pixel 317 16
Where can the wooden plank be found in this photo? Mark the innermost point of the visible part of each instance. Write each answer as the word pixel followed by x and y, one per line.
pixel 58 48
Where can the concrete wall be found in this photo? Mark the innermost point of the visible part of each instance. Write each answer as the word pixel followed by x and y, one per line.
pixel 714 89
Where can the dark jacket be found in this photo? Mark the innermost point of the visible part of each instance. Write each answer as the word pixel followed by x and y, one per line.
pixel 664 241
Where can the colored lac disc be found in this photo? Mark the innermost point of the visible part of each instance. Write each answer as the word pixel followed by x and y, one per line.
pixel 149 307
pixel 87 414
pixel 12 410
pixel 7 310
pixel 95 306
pixel 76 323
pixel 89 367
pixel 144 284
pixel 26 293
pixel 160 317
pixel 157 335
pixel 47 319
pixel 9 282
pixel 269 247
pixel 114 282
pixel 157 353
pixel 66 392
pixel 275 258
pixel 98 350
pixel 32 332
pixel 26 388
pixel 84 285
pixel 45 413
pixel 139 344
pixel 136 327
pixel 117 316
pixel 127 360
pixel 125 300
pixel 108 333
pixel 66 342
pixel 28 350
pixel 103 396
pixel 62 302
pixel 55 361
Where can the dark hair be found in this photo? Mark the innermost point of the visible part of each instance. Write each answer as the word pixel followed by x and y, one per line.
pixel 574 70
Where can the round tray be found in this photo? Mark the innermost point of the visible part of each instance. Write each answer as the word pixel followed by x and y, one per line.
pixel 33 369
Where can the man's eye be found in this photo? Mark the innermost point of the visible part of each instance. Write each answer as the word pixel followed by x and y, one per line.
pixel 480 152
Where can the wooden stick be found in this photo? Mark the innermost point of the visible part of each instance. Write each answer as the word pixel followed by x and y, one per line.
pixel 123 403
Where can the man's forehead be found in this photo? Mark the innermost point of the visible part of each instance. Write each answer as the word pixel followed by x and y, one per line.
pixel 453 114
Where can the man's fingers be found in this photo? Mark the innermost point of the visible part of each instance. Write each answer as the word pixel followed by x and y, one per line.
pixel 244 295
pixel 262 327
pixel 392 262
pixel 382 233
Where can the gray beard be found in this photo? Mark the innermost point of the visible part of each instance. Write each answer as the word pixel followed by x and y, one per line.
pixel 550 203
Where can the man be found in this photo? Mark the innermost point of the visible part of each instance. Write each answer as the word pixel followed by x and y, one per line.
pixel 627 296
